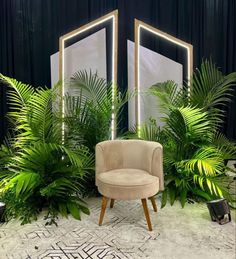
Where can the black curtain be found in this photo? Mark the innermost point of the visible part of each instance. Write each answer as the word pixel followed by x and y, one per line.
pixel 30 30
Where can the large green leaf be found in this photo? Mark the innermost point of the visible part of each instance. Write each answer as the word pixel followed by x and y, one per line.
pixel 211 89
pixel 202 194
pixel 19 94
pixel 170 95
pixel 187 125
pixel 74 210
pixel 164 198
pixel 63 209
pixel 25 182
pixel 226 148
pixel 172 195
pixel 206 161
pixel 208 184
pixel 60 187
pixel 150 131
pixel 183 197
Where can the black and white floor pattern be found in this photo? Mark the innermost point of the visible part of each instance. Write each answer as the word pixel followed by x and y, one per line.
pixel 178 233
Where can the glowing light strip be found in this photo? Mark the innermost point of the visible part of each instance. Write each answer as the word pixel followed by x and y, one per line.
pixel 113 134
pixel 114 16
pixel 187 46
pixel 138 87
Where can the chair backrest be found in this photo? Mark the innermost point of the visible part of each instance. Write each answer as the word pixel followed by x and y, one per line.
pixel 137 154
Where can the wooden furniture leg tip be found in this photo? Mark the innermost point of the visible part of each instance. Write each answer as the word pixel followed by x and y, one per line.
pixel 154 205
pixel 112 203
pixel 103 209
pixel 146 212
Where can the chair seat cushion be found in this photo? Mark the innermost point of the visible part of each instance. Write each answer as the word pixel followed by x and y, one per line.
pixel 127 184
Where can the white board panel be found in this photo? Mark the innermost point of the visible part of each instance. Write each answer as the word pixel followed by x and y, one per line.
pixel 153 68
pixel 86 54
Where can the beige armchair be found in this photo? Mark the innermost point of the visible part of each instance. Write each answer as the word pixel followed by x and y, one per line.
pixel 129 170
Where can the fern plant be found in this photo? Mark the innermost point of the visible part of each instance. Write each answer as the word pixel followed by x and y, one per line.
pixel 41 173
pixel 194 149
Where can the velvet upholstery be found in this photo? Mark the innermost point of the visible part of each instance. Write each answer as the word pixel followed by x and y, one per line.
pixel 129 169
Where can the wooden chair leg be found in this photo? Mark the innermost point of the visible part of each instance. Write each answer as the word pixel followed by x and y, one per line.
pixel 154 205
pixel 112 203
pixel 103 209
pixel 145 208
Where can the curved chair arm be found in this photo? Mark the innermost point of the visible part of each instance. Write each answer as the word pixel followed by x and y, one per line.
pixel 99 161
pixel 157 165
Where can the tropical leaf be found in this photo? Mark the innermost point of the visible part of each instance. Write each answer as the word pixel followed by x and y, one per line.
pixel 207 183
pixel 150 131
pixel 61 187
pixel 210 89
pixel 41 116
pixel 170 95
pixel 74 210
pixel 84 209
pixel 25 183
pixel 183 197
pixel 63 209
pixel 164 198
pixel 202 194
pixel 188 125
pixel 172 195
pixel 93 87
pixel 206 161
pixel 226 148
pixel 19 94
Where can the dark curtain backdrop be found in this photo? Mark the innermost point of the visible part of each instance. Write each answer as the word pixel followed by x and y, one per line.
pixel 30 29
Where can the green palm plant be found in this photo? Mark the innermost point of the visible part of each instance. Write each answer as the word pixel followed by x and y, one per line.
pixel 41 172
pixel 194 150
pixel 89 109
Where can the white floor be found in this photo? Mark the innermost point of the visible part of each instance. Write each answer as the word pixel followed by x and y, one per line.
pixel 178 234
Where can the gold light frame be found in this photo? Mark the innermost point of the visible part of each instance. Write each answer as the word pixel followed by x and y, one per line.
pixel 189 48
pixel 110 16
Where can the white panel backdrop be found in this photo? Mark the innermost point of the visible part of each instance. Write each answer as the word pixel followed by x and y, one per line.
pixel 88 53
pixel 153 68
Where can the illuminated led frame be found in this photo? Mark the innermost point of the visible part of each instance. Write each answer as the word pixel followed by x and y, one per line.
pixel 110 16
pixel 189 48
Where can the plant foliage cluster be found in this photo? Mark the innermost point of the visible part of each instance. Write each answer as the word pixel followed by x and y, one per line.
pixel 42 168
pixel 37 169
pixel 195 150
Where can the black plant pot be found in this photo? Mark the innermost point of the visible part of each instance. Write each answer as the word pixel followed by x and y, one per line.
pixel 218 210
pixel 2 209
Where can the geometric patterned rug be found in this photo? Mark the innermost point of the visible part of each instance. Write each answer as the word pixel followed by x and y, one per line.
pixel 177 233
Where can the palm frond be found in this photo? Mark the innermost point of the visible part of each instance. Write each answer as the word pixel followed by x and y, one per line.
pixel 170 95
pixel 41 117
pixel 93 87
pixel 227 148
pixel 208 183
pixel 150 131
pixel 18 94
pixel 187 124
pixel 61 187
pixel 25 183
pixel 206 161
pixel 210 89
